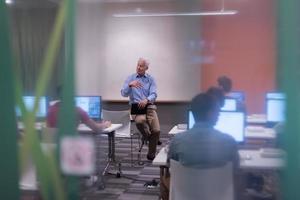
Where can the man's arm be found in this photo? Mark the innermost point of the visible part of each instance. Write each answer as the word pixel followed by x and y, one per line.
pixel 126 89
pixel 152 91
pixel 97 127
pixel 152 94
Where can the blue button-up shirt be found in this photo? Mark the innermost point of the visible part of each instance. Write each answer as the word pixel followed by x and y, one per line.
pixel 148 90
pixel 203 147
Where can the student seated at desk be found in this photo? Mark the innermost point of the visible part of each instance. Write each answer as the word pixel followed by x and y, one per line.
pixel 225 84
pixel 82 117
pixel 203 146
pixel 218 94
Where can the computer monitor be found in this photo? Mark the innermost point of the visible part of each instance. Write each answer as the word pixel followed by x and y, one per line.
pixel 232 123
pixel 229 105
pixel 90 104
pixel 29 103
pixel 275 104
pixel 238 95
pixel 191 119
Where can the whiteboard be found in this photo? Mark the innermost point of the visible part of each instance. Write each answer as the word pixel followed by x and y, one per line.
pixel 108 49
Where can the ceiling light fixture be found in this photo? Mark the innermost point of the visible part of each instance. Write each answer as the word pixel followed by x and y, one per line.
pixel 175 14
pixel 222 12
pixel 8 1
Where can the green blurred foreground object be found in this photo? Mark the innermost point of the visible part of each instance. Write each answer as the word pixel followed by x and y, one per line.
pixel 50 180
pixel 9 185
pixel 288 74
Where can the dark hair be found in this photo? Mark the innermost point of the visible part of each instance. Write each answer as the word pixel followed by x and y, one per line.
pixel 225 83
pixel 201 105
pixel 218 94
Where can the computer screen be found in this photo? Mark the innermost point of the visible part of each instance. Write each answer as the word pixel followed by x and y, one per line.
pixel 29 103
pixel 238 95
pixel 232 123
pixel 91 105
pixel 229 105
pixel 191 119
pixel 275 103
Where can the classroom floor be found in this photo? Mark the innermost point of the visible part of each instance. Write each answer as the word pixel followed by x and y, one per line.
pixel 132 183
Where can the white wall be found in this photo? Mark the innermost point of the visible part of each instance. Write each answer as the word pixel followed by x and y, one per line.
pixel 108 49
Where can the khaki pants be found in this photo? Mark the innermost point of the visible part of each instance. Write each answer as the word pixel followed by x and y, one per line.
pixel 148 125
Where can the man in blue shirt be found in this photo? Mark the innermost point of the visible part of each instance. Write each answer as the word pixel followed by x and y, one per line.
pixel 140 87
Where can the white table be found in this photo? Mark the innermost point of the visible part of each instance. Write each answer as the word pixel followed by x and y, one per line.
pixel 161 158
pixel 249 159
pixel 38 126
pixel 257 119
pixel 28 179
pixel 176 130
pixel 260 132
pixel 250 132
pixel 252 159
pixel 110 132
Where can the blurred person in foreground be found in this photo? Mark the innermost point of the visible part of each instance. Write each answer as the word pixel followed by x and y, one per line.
pixel 81 116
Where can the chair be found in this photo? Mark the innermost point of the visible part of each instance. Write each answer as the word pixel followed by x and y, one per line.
pixel 127 130
pixel 205 184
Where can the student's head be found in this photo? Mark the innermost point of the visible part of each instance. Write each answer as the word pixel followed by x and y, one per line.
pixel 205 108
pixel 218 94
pixel 142 66
pixel 225 84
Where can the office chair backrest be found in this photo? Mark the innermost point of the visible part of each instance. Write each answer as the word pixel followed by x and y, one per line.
pixel 205 184
pixel 119 117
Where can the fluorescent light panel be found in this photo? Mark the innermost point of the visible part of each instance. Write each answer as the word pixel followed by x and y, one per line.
pixel 225 12
pixel 8 1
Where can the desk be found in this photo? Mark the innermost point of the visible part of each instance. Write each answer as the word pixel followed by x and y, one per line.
pixel 257 119
pixel 252 159
pixel 28 180
pixel 250 132
pixel 260 132
pixel 110 132
pixel 38 126
pixel 256 161
pixel 176 130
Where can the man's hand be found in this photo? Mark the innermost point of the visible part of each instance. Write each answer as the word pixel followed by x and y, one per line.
pixel 104 125
pixel 135 84
pixel 142 103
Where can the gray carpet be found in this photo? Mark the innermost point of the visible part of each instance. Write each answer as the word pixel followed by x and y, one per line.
pixel 131 185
